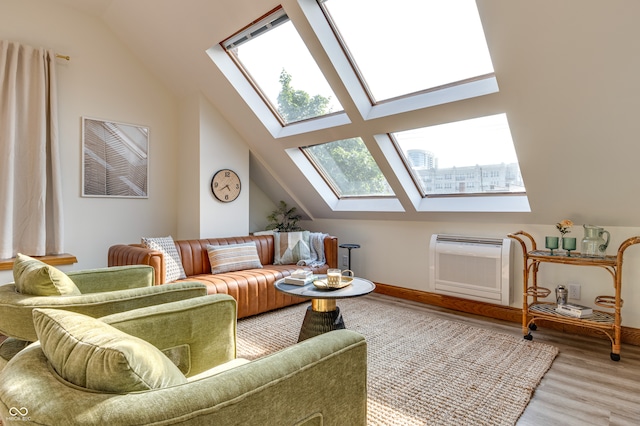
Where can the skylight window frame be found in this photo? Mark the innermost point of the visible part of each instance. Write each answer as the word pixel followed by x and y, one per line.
pixel 346 68
pixel 416 179
pixel 245 35
pixel 331 184
pixel 321 172
pixel 363 82
pixel 309 172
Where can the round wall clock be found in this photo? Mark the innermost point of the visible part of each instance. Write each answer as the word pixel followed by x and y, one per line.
pixel 225 185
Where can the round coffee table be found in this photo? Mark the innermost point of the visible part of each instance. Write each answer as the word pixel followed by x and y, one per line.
pixel 324 315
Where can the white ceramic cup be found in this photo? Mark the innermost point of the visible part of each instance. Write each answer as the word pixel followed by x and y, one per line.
pixel 333 277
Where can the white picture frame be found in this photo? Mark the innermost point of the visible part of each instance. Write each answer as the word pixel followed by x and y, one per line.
pixel 115 159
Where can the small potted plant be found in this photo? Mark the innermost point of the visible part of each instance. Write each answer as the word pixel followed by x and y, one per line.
pixel 284 219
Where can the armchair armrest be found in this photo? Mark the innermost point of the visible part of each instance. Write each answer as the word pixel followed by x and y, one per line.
pixel 15 308
pixel 112 279
pixel 197 334
pixel 323 378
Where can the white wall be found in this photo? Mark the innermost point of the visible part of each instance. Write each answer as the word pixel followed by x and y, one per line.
pixel 103 80
pixel 221 148
pixel 189 176
pixel 397 253
pixel 260 206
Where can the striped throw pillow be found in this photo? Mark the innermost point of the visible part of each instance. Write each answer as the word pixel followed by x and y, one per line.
pixel 233 257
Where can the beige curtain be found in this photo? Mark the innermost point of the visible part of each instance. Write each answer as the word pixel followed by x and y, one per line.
pixel 30 184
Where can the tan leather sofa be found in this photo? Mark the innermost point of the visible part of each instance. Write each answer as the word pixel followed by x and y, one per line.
pixel 252 288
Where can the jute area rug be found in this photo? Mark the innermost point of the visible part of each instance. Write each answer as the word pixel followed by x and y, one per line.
pixel 422 369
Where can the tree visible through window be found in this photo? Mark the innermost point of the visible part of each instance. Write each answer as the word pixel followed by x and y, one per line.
pixel 264 50
pixel 296 105
pixel 347 165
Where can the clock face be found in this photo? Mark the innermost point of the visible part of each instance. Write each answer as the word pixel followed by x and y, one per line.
pixel 225 185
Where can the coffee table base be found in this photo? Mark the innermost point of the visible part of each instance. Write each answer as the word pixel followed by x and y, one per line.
pixel 316 322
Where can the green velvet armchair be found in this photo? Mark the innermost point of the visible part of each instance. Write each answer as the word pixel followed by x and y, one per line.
pixel 100 292
pixel 61 379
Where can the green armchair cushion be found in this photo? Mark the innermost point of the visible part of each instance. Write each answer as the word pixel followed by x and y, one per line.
pixel 36 278
pixel 94 355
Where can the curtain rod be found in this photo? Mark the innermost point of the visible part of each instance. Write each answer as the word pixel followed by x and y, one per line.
pixel 67 57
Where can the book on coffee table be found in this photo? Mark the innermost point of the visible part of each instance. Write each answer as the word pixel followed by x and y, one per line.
pixel 299 281
pixel 301 273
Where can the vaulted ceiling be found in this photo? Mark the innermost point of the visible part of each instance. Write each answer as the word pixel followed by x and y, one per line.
pixel 567 73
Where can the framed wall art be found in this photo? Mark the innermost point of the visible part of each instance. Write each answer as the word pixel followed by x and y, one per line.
pixel 115 159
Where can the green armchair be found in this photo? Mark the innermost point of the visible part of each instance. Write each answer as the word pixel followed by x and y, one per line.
pixel 102 291
pixel 320 381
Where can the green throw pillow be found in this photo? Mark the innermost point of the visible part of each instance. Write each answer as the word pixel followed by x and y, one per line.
pixel 94 355
pixel 39 279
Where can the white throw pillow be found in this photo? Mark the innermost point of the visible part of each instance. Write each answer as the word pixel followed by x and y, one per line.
pixel 174 269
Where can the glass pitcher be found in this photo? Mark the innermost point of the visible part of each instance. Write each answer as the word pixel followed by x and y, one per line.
pixel 593 243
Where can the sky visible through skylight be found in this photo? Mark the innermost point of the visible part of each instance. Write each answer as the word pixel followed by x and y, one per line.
pixel 282 48
pixel 412 46
pixel 478 141
pixel 405 46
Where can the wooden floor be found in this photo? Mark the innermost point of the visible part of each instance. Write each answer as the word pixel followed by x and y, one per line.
pixel 583 386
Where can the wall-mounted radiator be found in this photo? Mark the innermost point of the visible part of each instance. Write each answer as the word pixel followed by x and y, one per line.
pixel 476 268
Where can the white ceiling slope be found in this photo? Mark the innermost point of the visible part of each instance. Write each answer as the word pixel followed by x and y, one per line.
pixel 568 76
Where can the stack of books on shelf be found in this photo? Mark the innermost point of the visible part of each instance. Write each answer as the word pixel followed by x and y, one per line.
pixel 300 277
pixel 577 311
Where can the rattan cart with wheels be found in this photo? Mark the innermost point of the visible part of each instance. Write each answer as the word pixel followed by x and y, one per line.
pixel 607 321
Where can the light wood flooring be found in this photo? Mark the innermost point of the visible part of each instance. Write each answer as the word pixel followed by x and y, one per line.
pixel 583 386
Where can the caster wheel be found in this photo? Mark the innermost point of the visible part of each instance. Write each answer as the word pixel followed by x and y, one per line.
pixel 615 357
pixel 530 337
pixel 533 327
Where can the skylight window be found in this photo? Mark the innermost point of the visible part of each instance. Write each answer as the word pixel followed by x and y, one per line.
pixel 349 169
pixel 474 156
pixel 272 55
pixel 402 47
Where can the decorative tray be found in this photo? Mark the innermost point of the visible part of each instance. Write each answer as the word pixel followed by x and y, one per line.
pixel 322 284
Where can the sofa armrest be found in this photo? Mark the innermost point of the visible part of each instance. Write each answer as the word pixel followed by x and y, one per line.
pixel 197 334
pixel 112 279
pixel 331 251
pixel 136 254
pixel 15 308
